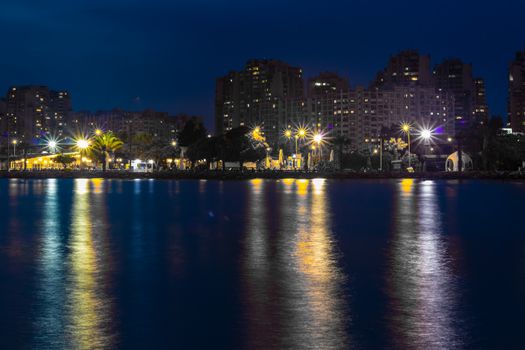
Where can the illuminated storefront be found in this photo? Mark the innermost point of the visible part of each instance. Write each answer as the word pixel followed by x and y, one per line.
pixel 51 161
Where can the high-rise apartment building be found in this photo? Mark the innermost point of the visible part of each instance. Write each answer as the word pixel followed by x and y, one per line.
pixel 3 119
pixel 405 68
pixel 158 126
pixel 405 91
pixel 227 103
pixel 59 110
pixel 481 107
pixel 455 76
pixel 470 102
pixel 35 111
pixel 516 98
pixel 361 113
pixel 326 83
pixel 319 106
pixel 256 95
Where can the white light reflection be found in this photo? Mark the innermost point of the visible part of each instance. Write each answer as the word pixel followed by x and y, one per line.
pixel 421 286
pixel 49 318
pixel 257 264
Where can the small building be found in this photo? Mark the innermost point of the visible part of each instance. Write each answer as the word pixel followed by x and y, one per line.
pixel 452 163
pixel 48 162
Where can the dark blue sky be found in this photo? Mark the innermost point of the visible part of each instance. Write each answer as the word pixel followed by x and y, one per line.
pixel 168 53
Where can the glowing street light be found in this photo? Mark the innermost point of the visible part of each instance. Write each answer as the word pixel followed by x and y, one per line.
pixel 82 144
pixel 98 132
pixel 405 127
pixel 426 134
pixel 52 145
pixel 14 142
pixel 318 138
pixel 300 134
pixel 288 133
pixel 174 143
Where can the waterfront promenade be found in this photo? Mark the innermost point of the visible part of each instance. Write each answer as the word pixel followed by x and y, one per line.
pixel 276 174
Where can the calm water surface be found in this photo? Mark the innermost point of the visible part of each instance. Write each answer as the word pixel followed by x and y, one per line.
pixel 95 264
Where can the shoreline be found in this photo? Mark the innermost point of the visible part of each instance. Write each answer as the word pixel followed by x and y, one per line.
pixel 246 175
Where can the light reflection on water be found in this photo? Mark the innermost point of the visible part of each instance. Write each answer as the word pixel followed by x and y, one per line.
pixel 89 323
pixel 295 287
pixel 421 286
pixel 271 264
pixel 49 318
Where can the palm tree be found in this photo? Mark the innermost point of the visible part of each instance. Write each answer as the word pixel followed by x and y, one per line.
pixel 105 144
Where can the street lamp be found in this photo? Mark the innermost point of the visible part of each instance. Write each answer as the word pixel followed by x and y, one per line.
pixel 300 134
pixel 52 145
pixel 426 134
pixel 82 144
pixel 98 132
pixel 15 142
pixel 405 127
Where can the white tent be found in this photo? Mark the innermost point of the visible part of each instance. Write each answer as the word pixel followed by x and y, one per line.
pixel 452 163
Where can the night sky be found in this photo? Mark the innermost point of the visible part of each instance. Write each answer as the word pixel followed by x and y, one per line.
pixel 166 55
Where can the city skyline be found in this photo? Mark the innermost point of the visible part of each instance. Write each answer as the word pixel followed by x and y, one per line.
pixel 257 174
pixel 105 61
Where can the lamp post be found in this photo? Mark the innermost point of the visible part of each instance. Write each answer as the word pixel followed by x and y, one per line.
pixel 52 146
pixel 82 144
pixel 406 129
pixel 15 142
pixel 381 153
pixel 301 134
pixel 426 136
pixel 318 139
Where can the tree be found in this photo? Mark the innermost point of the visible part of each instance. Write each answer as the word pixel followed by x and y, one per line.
pixel 158 151
pixel 64 159
pixel 237 145
pixel 104 144
pixel 354 161
pixel 192 131
pixel 204 148
pixel 142 142
pixel 506 152
pixel 341 142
